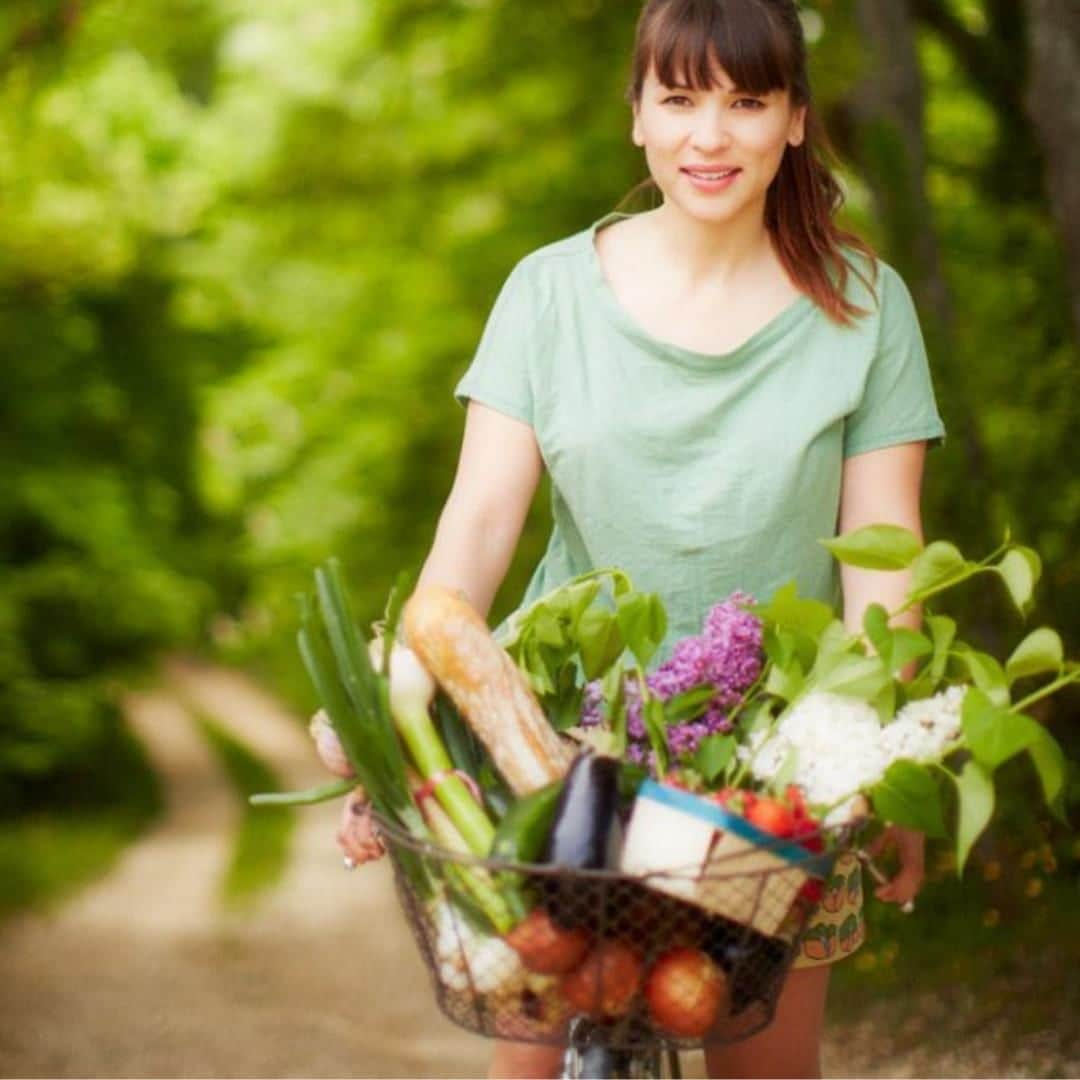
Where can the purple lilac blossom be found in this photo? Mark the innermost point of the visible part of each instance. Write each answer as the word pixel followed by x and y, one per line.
pixel 592 707
pixel 735 655
pixel 590 704
pixel 727 655
pixel 640 754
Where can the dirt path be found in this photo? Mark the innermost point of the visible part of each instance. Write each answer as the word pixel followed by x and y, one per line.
pixel 145 974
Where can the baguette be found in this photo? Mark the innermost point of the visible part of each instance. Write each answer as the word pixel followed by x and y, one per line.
pixel 455 645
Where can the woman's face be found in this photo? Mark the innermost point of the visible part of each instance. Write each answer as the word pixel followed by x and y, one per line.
pixel 714 153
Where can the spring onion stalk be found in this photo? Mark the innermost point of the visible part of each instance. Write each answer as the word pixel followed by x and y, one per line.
pixel 412 691
pixel 354 700
pixel 323 793
pixel 473 881
pixel 466 752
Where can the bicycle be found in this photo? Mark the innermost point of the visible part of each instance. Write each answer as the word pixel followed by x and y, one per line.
pixel 481 985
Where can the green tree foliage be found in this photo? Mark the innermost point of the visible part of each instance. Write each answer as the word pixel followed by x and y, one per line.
pixel 247 249
pixel 108 549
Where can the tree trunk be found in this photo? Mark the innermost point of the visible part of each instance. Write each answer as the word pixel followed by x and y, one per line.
pixel 887 109
pixel 885 121
pixel 1053 103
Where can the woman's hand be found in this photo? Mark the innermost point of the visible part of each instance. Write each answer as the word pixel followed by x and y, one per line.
pixel 328 746
pixel 357 836
pixel 910 847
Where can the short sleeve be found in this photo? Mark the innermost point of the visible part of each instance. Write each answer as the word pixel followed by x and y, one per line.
pixel 501 371
pixel 898 403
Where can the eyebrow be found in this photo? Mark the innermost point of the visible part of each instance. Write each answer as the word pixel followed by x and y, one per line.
pixel 733 90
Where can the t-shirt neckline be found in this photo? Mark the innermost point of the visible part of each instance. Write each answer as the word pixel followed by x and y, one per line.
pixel 776 327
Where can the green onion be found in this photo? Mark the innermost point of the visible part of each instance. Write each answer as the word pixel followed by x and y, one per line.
pixel 350 693
pixel 307 797
pixel 473 881
pixel 412 690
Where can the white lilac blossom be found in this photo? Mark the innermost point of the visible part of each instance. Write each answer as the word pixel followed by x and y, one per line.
pixel 727 655
pixel 837 742
pixel 924 730
pixel 841 747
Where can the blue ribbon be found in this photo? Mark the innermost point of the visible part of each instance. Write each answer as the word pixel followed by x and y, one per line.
pixel 685 801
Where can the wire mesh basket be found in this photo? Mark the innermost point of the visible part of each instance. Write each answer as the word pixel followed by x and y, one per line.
pixel 625 951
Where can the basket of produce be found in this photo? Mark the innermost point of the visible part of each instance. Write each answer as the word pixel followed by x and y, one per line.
pixel 620 950
pixel 577 832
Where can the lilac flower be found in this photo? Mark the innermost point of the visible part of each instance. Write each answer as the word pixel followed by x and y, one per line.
pixel 688 667
pixel 635 722
pixel 683 739
pixel 716 721
pixel 640 754
pixel 735 654
pixel 591 704
pixel 726 655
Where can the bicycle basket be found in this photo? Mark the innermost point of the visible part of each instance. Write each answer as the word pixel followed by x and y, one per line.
pixel 602 943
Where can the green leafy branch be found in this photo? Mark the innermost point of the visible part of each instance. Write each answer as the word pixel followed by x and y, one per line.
pixel 577 633
pixel 995 729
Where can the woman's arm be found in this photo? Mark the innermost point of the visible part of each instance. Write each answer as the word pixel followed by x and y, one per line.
pixel 880 487
pixel 497 475
pixel 498 471
pixel 885 486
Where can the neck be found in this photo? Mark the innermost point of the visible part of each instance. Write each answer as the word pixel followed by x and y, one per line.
pixel 719 254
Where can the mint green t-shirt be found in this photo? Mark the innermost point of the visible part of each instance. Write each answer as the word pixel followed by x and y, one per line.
pixel 698 474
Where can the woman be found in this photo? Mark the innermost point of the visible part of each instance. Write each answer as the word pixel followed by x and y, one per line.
pixel 713 386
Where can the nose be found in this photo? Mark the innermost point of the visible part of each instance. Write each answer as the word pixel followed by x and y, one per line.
pixel 711 127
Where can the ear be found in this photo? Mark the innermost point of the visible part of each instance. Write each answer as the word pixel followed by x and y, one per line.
pixel 637 136
pixel 797 128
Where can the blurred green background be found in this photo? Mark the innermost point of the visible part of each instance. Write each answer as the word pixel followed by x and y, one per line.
pixel 247 248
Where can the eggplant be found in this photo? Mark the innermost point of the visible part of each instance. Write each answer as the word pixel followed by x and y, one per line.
pixel 586 834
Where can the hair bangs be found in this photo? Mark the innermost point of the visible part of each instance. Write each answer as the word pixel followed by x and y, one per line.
pixel 690 39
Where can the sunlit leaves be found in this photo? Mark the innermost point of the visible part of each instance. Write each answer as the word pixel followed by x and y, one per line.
pixel 908 795
pixel 876 547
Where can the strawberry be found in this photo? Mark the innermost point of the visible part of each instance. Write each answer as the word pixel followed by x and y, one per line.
pixel 807 832
pixel 771 816
pixel 734 800
pixel 797 802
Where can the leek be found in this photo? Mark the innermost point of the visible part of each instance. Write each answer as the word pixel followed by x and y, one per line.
pixel 412 691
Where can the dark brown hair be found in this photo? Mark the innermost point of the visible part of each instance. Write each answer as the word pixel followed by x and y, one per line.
pixel 760 46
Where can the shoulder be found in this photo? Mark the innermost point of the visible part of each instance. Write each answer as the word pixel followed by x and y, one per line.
pixel 878 288
pixel 540 273
pixel 555 257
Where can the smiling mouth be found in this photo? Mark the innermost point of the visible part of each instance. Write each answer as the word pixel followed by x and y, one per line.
pixel 710 174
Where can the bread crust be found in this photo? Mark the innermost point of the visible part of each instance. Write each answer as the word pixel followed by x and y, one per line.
pixel 454 643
